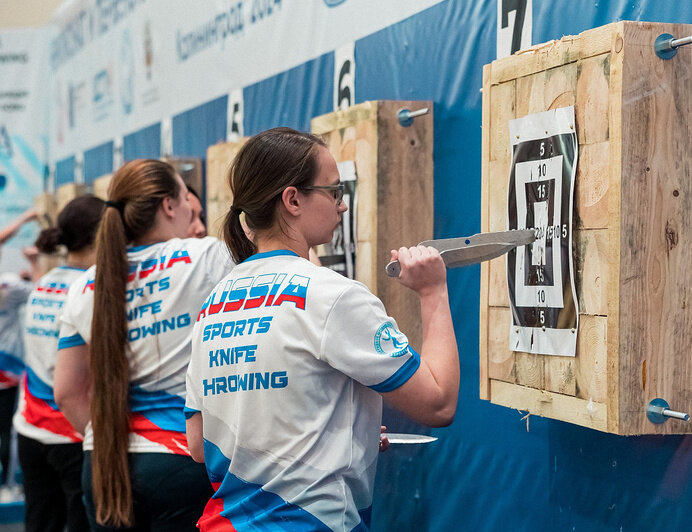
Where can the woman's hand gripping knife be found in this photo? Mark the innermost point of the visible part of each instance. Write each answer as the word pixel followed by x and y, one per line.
pixel 430 395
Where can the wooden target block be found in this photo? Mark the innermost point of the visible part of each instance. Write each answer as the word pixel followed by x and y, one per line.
pixel 631 231
pixel 219 199
pixel 101 185
pixel 394 167
pixel 67 192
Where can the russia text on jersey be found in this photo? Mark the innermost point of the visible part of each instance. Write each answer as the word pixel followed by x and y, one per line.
pixel 266 290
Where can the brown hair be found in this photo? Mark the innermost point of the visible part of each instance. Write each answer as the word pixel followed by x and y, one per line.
pixel 76 228
pixel 265 165
pixel 134 196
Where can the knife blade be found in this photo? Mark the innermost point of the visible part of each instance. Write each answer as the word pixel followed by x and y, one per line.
pixel 463 251
pixel 397 437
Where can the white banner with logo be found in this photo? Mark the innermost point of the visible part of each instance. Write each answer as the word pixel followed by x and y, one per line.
pixel 23 149
pixel 120 65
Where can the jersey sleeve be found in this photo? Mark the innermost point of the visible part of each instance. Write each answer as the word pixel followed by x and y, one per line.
pixel 75 320
pixel 193 399
pixel 363 342
pixel 17 291
pixel 218 261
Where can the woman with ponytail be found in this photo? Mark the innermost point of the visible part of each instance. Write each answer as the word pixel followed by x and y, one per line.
pixel 124 349
pixel 289 359
pixel 50 450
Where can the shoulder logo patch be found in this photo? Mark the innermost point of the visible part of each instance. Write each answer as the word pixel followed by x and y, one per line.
pixel 390 341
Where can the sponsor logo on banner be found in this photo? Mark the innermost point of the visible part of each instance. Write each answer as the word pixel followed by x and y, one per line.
pixel 171 57
pixel 102 98
pixel 151 94
pixel 127 77
pixel 148 49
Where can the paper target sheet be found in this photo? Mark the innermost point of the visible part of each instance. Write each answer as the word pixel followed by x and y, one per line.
pixel 540 276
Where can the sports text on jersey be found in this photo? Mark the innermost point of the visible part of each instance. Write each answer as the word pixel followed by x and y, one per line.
pixel 159 327
pixel 246 381
pixel 53 288
pixel 242 354
pixel 267 290
pixel 237 328
pixel 48 307
pixel 146 267
pixel 141 271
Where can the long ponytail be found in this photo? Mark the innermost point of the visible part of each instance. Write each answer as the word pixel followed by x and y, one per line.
pixel 110 370
pixel 135 193
pixel 265 165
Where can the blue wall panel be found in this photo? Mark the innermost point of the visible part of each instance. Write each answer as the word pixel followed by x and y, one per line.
pixel 143 144
pixel 64 171
pixel 98 161
pixel 291 98
pixel 197 129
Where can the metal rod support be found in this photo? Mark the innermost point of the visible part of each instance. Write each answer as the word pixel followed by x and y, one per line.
pixel 666 46
pixel 406 116
pixel 681 42
pixel 658 412
pixel 676 415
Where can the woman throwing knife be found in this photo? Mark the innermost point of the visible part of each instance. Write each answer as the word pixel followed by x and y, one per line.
pixel 290 360
pixel 124 349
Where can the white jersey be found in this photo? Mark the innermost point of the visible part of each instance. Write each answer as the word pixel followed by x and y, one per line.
pixel 167 284
pixel 13 293
pixel 38 416
pixel 287 362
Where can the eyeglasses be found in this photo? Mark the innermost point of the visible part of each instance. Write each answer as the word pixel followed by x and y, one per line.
pixel 336 190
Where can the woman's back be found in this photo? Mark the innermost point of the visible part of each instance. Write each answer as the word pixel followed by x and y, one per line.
pixel 288 360
pixel 38 416
pixel 124 348
pixel 165 289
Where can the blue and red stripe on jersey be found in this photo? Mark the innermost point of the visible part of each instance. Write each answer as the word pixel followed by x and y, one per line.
pixel 158 417
pixel 11 369
pixel 242 506
pixel 40 409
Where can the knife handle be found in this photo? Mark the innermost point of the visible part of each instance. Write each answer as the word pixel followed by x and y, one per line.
pixel 393 268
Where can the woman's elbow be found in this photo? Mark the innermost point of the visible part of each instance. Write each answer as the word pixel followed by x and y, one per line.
pixel 197 455
pixel 195 438
pixel 442 417
pixel 442 409
pixel 433 415
pixel 63 398
pixel 196 448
